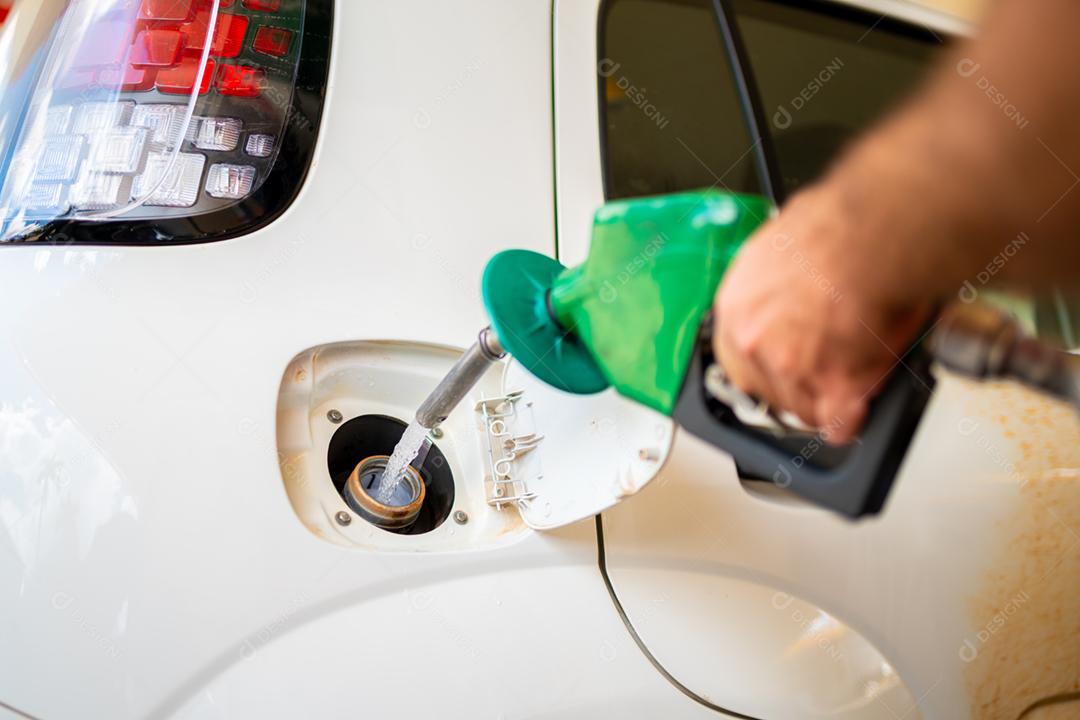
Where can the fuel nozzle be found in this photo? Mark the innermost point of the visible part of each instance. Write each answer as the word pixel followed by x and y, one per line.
pixel 462 377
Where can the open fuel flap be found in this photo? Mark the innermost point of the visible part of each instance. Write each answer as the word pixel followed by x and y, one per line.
pixel 560 457
pixel 513 456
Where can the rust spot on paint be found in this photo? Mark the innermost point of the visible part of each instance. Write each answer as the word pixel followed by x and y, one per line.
pixel 1027 645
pixel 301 374
pixel 1027 614
pixel 514 524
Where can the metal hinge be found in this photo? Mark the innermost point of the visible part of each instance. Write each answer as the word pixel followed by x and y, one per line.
pixel 509 436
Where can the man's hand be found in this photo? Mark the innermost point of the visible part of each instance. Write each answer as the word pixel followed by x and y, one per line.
pixel 821 304
pixel 801 325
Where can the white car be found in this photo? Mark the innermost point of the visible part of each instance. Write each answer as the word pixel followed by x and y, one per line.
pixel 236 259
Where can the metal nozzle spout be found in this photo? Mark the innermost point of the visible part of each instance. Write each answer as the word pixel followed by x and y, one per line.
pixel 466 372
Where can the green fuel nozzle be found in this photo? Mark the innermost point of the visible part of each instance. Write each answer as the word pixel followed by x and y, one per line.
pixel 627 317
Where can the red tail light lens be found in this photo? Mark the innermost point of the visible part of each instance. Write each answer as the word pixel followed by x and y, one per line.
pixel 161 121
pixel 273 41
pixel 181 78
pixel 157 47
pixel 169 10
pixel 241 81
pixel 264 5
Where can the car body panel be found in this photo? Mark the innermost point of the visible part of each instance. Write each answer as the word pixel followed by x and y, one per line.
pixel 495 644
pixel 972 565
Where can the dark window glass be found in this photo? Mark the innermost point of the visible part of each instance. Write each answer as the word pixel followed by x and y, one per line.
pixel 824 73
pixel 671 117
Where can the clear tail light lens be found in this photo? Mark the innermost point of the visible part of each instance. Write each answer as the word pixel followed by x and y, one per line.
pixel 158 121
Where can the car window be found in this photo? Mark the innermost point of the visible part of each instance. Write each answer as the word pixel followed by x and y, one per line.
pixel 825 73
pixel 672 119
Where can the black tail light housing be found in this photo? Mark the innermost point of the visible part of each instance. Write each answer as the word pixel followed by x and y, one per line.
pixel 158 122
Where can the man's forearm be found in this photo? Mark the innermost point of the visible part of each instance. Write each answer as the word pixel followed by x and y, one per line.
pixel 982 157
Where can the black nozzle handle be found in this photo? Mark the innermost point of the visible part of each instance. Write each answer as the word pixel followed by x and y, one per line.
pixel 853 479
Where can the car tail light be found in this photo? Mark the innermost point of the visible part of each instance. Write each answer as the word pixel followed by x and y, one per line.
pixel 161 121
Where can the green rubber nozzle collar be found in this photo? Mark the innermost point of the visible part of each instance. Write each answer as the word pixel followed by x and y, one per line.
pixel 516 286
